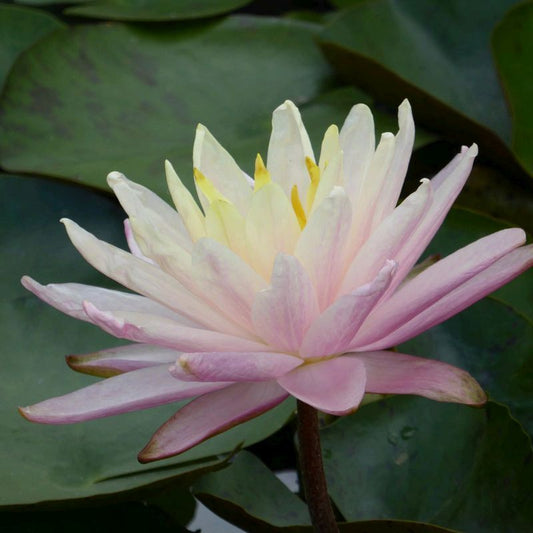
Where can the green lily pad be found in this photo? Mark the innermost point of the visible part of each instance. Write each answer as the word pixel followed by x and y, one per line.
pixel 463 226
pixel 249 495
pixel 413 459
pixel 20 28
pixel 513 52
pixel 91 99
pixel 438 55
pixel 495 344
pixel 154 10
pixel 40 463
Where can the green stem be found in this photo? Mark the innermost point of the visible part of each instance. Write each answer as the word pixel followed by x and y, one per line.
pixel 312 469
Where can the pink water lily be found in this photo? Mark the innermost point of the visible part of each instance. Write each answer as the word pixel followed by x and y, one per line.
pixel 295 282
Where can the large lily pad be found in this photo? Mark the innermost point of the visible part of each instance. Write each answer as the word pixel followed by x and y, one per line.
pixel 436 53
pixel 513 51
pixel 19 28
pixel 155 10
pixel 46 463
pixel 91 99
pixel 249 495
pixel 455 466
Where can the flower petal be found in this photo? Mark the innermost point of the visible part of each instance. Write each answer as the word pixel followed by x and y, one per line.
pixel 333 331
pixel 127 392
pixel 283 313
pixel 233 366
pixel 220 168
pixel 132 243
pixel 447 184
pixel 387 239
pixel 162 331
pixel 333 386
pixel 488 280
pixel 138 201
pixel 288 147
pixel 395 176
pixel 211 414
pixel 320 247
pixel 186 205
pixel 437 281
pixel 69 297
pixel 146 279
pixel 357 141
pixel 398 373
pixel 226 281
pixel 106 363
pixel 271 227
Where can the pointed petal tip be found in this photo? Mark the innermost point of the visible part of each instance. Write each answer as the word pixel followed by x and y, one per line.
pixel 114 178
pixel 25 412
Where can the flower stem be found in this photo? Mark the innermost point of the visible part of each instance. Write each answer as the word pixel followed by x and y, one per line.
pixel 312 469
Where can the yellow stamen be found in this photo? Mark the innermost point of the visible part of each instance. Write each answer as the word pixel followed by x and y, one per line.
pixel 207 187
pixel 314 174
pixel 261 174
pixel 297 206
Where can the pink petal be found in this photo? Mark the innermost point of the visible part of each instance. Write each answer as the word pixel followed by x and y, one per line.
pixel 132 391
pixel 398 373
pixel 320 247
pixel 211 414
pixel 153 329
pixel 446 186
pixel 437 281
pixel 132 243
pixel 146 279
pixel 333 386
pixel 490 279
pixel 288 147
pixel 388 238
pixel 332 332
pixel 226 281
pixel 233 366
pixel 69 297
pixel 283 313
pixel 113 361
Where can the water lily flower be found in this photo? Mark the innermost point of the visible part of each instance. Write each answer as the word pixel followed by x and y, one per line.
pixel 296 282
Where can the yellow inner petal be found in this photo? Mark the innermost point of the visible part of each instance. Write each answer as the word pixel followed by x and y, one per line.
pixel 261 174
pixel 297 206
pixel 207 187
pixel 314 174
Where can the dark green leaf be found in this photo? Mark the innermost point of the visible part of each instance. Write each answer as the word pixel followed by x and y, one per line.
pixel 414 459
pixel 249 495
pixel 495 344
pixel 435 53
pixel 19 29
pixel 91 99
pixel 155 10
pixel 513 51
pixel 40 463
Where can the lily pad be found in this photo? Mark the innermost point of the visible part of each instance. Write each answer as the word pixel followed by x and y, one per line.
pixel 513 52
pixel 21 27
pixel 95 98
pixel 437 54
pixel 410 458
pixel 40 463
pixel 154 10
pixel 250 496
